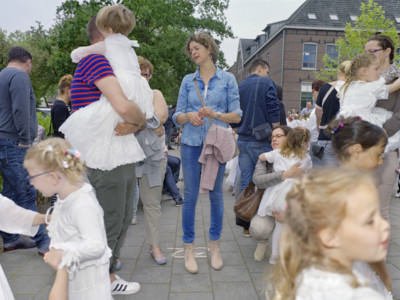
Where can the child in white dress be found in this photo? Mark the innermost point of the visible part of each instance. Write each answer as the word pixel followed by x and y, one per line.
pixel 293 150
pixel 99 118
pixel 78 238
pixel 332 221
pixel 362 88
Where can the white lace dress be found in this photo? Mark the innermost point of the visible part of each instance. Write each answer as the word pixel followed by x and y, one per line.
pixel 91 129
pixel 316 284
pixel 77 228
pixel 14 219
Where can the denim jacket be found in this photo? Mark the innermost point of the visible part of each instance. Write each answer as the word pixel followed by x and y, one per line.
pixel 222 96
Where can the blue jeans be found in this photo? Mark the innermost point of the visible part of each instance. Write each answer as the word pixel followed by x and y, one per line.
pixel 191 177
pixel 172 177
pixel 16 186
pixel 248 157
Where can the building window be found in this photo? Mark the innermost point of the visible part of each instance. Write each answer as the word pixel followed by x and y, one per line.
pixel 333 17
pixel 353 18
pixel 333 52
pixel 312 16
pixel 309 56
pixel 397 19
pixel 306 94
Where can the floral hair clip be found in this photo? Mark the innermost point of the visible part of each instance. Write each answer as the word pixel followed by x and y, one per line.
pixel 73 152
pixel 335 129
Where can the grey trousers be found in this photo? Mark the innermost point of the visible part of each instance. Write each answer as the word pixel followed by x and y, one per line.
pixel 385 178
pixel 114 191
pixel 261 227
pixel 151 200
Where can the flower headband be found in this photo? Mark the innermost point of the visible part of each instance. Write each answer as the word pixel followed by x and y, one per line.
pixel 74 153
pixel 341 125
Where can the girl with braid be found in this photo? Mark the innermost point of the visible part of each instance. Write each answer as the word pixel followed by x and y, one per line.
pixel 294 150
pixel 78 239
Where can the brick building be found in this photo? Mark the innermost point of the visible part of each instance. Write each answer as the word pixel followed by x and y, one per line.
pixel 295 47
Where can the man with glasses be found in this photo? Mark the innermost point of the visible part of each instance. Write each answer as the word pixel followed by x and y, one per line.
pixel 18 129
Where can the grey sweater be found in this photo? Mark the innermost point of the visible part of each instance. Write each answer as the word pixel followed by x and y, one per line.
pixel 18 119
pixel 264 175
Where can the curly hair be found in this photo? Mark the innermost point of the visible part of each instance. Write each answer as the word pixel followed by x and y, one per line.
pixel 205 40
pixel 56 154
pixel 64 82
pixel 295 143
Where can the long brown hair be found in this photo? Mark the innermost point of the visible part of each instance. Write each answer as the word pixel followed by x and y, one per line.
pixel 295 142
pixel 317 200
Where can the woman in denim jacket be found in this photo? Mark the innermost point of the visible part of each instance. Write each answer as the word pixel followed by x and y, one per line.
pixel 220 93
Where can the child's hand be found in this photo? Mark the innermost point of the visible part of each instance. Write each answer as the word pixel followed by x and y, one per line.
pixel 53 258
pixel 262 157
pixel 279 216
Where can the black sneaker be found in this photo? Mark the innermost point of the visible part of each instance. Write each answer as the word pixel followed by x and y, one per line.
pixel 179 202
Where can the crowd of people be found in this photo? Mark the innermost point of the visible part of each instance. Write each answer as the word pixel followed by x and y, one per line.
pixel 327 172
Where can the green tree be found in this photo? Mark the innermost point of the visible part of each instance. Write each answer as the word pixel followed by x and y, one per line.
pixel 162 29
pixel 371 21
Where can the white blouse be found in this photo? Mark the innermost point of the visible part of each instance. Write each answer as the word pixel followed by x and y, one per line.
pixel 77 228
pixel 316 284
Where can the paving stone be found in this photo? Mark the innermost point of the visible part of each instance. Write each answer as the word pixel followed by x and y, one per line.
pixel 190 283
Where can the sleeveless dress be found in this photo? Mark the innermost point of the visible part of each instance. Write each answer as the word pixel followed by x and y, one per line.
pixel 91 129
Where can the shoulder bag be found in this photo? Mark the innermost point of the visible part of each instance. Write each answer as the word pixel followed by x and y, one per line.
pixel 246 205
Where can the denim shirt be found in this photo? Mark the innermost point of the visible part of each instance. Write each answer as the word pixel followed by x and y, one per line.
pixel 222 97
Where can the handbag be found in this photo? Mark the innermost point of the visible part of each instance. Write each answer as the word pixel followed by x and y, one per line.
pixel 263 131
pixel 236 152
pixel 246 204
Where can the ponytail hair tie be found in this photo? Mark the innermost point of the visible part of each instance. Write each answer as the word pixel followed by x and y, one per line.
pixel 340 125
pixel 73 152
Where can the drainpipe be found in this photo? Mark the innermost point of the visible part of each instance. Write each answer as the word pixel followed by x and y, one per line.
pixel 283 55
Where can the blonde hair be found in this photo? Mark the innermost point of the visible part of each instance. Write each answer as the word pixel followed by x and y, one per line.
pixel 344 67
pixel 363 60
pixel 119 18
pixel 64 82
pixel 295 142
pixel 207 41
pixel 317 200
pixel 145 63
pixel 56 154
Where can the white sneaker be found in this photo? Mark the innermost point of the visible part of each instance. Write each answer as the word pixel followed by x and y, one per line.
pixel 133 222
pixel 397 195
pixel 123 287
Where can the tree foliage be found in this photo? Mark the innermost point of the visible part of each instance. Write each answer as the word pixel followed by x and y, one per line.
pixel 371 21
pixel 162 29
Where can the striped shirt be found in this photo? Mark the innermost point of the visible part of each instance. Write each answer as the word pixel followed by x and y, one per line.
pixel 89 70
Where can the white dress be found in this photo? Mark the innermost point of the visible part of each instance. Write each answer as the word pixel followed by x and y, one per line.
pixel 91 129
pixel 274 197
pixel 316 284
pixel 14 219
pixel 77 228
pixel 360 99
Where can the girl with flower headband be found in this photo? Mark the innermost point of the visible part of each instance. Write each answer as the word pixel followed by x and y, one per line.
pixel 361 90
pixel 77 236
pixel 294 150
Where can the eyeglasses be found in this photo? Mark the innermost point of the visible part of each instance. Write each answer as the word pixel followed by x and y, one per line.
pixel 277 136
pixel 373 51
pixel 147 75
pixel 29 178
